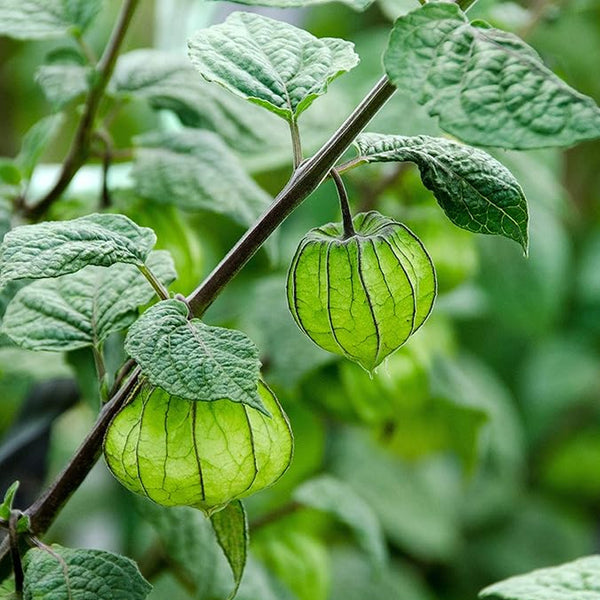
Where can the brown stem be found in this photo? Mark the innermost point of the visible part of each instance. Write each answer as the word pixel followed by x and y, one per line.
pixel 80 147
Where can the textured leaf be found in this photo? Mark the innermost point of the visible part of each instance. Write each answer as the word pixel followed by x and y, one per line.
pixel 231 529
pixel 62 83
pixel 190 359
pixel 269 62
pixel 35 142
pixel 56 248
pixel 81 574
pixel 487 86
pixel 365 295
pixel 577 580
pixel 40 19
pixel 355 4
pixel 331 495
pixel 194 170
pixel 84 308
pixel 168 81
pixel 7 590
pixel 476 191
pixel 200 454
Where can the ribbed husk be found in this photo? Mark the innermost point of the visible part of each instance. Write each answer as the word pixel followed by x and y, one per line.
pixel 202 454
pixel 361 296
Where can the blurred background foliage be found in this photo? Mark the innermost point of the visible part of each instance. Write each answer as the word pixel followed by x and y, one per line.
pixel 475 448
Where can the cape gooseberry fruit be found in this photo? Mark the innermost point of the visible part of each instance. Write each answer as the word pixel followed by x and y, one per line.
pixel 201 454
pixel 361 296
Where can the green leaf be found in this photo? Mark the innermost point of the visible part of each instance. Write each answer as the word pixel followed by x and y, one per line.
pixel 62 83
pixel 56 248
pixel 577 580
pixel 7 503
pixel 331 495
pixel 35 142
pixel 231 529
pixel 61 573
pixel 476 191
pixel 269 62
pixel 487 86
pixel 194 170
pixel 7 590
pixel 200 454
pixel 195 361
pixel 41 19
pixel 359 5
pixel 83 308
pixel 168 81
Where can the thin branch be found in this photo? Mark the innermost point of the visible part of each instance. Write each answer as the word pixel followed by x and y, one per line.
pixel 107 157
pixel 304 181
pixel 14 553
pixel 344 205
pixel 279 513
pixel 296 142
pixel 80 147
pixel 159 288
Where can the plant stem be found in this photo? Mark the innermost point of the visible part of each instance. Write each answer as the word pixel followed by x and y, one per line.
pixel 344 205
pixel 296 142
pixel 159 288
pixel 80 147
pixel 14 553
pixel 303 182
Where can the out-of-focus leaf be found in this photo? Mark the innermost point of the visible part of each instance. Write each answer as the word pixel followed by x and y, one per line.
pixel 7 504
pixel 194 170
pixel 81 574
pixel 231 529
pixel 298 559
pixel 355 4
pixel 337 498
pixel 418 512
pixel 62 83
pixel 353 579
pixel 168 81
pixel 35 142
pixel 189 542
pixel 270 63
pixel 475 191
pixel 56 248
pixel 193 360
pixel 487 87
pixel 577 580
pixel 41 19
pixel 393 9
pixel 83 308
pixel 259 583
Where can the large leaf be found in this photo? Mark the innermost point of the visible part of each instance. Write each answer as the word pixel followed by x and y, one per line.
pixel 476 191
pixel 56 248
pixel 231 529
pixel 487 86
pixel 194 170
pixel 40 19
pixel 193 360
pixel 331 495
pixel 81 574
pixel 577 580
pixel 269 62
pixel 168 81
pixel 84 308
